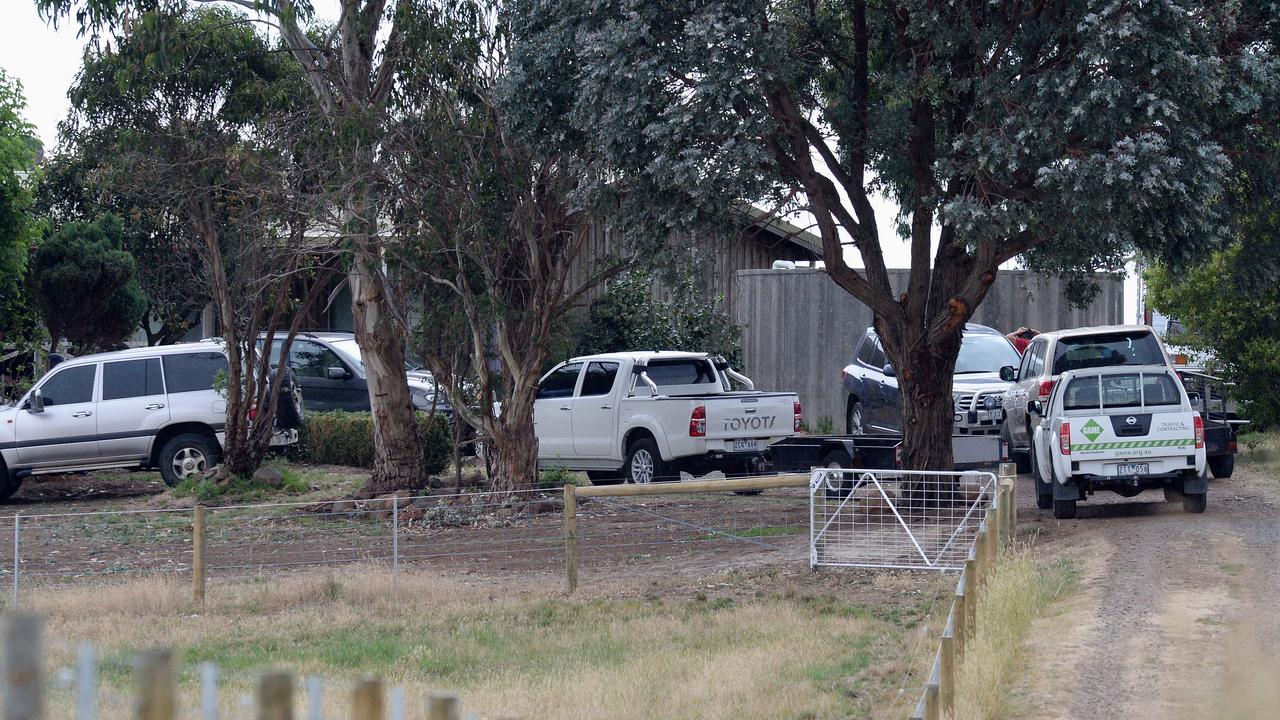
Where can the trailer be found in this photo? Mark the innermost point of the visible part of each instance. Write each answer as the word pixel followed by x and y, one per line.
pixel 1221 423
pixel 877 451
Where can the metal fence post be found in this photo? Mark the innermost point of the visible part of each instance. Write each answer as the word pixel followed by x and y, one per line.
pixel 86 682
pixel 17 556
pixel 570 538
pixel 22 656
pixel 208 691
pixel 197 555
pixel 395 538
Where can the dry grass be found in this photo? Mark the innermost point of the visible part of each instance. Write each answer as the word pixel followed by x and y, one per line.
pixel 534 655
pixel 1018 590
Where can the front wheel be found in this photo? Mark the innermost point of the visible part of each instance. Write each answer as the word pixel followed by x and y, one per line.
pixel 1222 465
pixel 187 455
pixel 644 462
pixel 9 484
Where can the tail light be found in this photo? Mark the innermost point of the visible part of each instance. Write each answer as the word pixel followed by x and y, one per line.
pixel 698 422
pixel 1046 389
pixel 1064 438
pixel 799 416
pixel 1199 431
pixel 1232 447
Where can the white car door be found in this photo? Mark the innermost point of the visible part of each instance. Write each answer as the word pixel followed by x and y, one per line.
pixel 132 409
pixel 553 412
pixel 66 432
pixel 595 414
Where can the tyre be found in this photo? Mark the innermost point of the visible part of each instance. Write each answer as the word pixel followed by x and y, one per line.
pixel 1064 509
pixel 1044 490
pixel 187 455
pixel 838 459
pixel 9 484
pixel 604 477
pixel 1222 465
pixel 289 405
pixel 853 421
pixel 644 463
pixel 1195 503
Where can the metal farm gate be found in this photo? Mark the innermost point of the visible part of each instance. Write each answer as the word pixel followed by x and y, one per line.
pixel 917 520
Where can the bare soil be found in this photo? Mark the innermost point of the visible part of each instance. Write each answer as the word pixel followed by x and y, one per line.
pixel 1174 610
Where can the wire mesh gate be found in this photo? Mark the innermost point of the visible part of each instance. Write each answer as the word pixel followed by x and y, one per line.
pixel 907 519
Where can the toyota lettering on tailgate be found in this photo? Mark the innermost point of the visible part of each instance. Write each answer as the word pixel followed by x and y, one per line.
pixel 749 423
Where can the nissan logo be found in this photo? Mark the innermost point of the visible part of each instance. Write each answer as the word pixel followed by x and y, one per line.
pixel 1131 420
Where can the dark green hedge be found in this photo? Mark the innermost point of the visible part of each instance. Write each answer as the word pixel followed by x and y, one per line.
pixel 346 438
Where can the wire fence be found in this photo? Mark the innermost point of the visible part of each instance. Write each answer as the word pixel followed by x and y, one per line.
pixel 507 532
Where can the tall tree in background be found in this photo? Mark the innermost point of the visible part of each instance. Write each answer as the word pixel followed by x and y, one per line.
pixel 18 228
pixel 1084 125
pixel 351 69
pixel 86 286
pixel 494 225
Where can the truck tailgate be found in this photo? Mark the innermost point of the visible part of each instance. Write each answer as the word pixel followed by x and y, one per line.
pixel 750 415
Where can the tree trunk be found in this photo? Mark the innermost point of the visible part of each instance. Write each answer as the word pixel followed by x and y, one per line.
pixel 397 447
pixel 924 391
pixel 516 466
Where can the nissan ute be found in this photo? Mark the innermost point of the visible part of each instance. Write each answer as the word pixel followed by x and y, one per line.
pixel 1122 429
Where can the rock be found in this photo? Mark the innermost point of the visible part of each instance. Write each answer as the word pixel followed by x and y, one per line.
pixel 437 481
pixel 363 494
pixel 343 506
pixel 539 507
pixel 268 476
pixel 425 503
pixel 411 513
pixel 475 478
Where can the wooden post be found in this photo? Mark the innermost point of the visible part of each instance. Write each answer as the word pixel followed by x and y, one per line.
pixel 960 618
pixel 366 699
pixel 570 538
pixel 443 707
pixel 156 693
pixel 971 598
pixel 947 682
pixel 23 656
pixel 197 556
pixel 980 555
pixel 275 696
pixel 930 702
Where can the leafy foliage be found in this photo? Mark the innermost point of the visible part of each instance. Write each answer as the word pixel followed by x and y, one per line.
pixel 18 227
pixel 86 286
pixel 631 317
pixel 346 438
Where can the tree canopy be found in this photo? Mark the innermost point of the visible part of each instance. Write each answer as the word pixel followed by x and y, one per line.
pixel 18 227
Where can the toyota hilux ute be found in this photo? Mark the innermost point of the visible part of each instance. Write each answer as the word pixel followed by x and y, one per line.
pixel 644 416
pixel 1123 429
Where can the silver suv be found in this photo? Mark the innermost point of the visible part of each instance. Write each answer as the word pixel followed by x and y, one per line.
pixel 152 407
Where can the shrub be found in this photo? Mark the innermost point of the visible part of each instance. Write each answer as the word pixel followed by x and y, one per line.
pixel 346 438
pixel 555 477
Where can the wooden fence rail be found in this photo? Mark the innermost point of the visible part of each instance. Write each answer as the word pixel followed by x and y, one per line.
pixel 996 531
pixel 155 691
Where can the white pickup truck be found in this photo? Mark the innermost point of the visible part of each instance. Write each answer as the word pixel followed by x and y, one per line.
pixel 1123 429
pixel 644 416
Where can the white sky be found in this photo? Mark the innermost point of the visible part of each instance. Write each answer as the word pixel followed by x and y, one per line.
pixel 46 62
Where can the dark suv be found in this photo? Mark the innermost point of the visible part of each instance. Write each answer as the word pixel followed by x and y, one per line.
pixel 871 385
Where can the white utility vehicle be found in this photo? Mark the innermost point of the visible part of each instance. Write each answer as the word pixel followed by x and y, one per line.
pixel 644 416
pixel 1124 429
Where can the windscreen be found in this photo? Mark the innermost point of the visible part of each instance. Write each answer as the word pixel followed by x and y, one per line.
pixel 1109 350
pixel 692 371
pixel 985 353
pixel 1092 392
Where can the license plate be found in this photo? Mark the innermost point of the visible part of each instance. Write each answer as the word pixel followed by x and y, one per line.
pixel 745 445
pixel 1133 469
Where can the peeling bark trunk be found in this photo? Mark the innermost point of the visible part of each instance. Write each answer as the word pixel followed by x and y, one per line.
pixel 924 383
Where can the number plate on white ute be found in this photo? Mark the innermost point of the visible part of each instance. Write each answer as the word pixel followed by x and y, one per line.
pixel 1133 469
pixel 750 445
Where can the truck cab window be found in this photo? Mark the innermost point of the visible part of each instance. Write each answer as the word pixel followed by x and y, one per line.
pixel 599 379
pixel 560 382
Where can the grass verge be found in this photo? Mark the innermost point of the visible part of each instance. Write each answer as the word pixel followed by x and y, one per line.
pixel 1018 590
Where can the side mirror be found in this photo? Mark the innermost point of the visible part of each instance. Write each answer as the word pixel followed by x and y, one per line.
pixel 336 373
pixel 888 370
pixel 1035 407
pixel 36 403
pixel 1009 373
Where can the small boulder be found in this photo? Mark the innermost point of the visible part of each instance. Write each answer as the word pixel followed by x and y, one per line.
pixel 268 476
pixel 540 507
pixel 343 506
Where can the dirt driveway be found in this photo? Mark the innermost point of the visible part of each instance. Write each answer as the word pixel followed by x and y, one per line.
pixel 1176 613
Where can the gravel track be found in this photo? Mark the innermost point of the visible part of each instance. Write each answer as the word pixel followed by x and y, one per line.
pixel 1174 610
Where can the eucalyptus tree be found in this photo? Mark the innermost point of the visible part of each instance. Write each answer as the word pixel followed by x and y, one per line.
pixel 1082 129
pixel 18 226
pixel 350 68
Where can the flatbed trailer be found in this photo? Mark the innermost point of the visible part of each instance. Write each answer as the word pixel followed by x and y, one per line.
pixel 1221 424
pixel 878 451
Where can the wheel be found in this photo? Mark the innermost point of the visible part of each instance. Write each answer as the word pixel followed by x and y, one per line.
pixel 1222 465
pixel 644 462
pixel 289 405
pixel 1064 509
pixel 1044 490
pixel 604 477
pixel 186 455
pixel 853 422
pixel 834 460
pixel 9 484
pixel 1195 503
